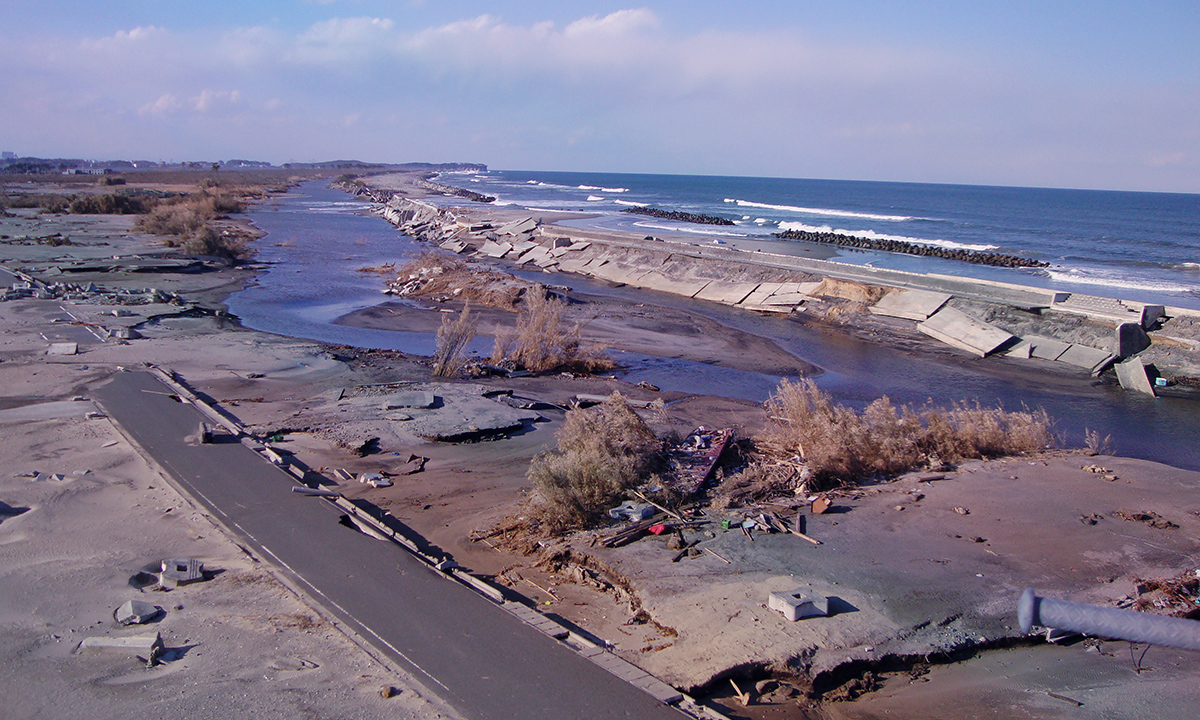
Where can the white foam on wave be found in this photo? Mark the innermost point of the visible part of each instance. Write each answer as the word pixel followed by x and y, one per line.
pixel 631 203
pixel 1080 276
pixel 693 231
pixel 603 189
pixel 594 198
pixel 1194 267
pixel 872 235
pixel 819 211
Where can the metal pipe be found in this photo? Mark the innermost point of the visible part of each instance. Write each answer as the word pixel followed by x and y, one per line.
pixel 1107 622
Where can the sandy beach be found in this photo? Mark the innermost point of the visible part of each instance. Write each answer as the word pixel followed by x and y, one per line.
pixel 927 592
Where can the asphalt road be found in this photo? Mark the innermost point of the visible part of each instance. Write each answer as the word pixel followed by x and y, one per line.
pixel 477 657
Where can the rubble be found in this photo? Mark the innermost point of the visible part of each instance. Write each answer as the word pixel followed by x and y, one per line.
pixel 136 612
pixel 180 571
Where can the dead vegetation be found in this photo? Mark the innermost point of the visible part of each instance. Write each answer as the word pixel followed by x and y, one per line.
pixel 441 277
pixel 602 451
pixel 544 340
pixel 453 337
pixel 831 444
pixel 187 222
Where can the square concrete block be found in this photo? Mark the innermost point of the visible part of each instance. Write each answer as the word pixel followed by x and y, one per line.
pixel 799 604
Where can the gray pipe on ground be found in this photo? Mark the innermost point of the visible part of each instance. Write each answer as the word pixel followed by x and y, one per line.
pixel 1107 622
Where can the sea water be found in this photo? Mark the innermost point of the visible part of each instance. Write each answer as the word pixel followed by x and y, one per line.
pixel 1130 245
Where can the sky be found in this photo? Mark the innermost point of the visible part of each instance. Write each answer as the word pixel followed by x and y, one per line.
pixel 1095 94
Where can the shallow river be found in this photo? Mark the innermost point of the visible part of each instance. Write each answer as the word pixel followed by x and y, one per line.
pixel 317 239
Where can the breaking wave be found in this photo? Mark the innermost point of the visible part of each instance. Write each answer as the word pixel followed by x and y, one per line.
pixel 872 235
pixel 631 203
pixel 819 211
pixel 594 198
pixel 603 189
pixel 1113 280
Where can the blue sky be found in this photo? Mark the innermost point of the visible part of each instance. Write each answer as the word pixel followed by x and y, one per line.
pixel 1061 94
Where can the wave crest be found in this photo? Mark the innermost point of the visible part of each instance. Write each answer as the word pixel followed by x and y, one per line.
pixel 820 211
pixel 872 235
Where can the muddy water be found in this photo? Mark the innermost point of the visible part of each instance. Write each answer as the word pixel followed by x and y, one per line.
pixel 318 238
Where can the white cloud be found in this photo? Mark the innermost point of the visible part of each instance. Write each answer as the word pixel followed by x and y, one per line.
pixel 165 104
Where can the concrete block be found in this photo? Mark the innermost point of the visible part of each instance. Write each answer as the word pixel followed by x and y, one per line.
pixel 959 330
pixel 1131 339
pixel 1151 314
pixel 1132 375
pixel 798 604
pixel 655 280
pixel 63 348
pixel 1045 348
pixel 629 510
pixel 726 293
pixel 147 647
pixel 910 304
pixel 180 571
pixel 1022 350
pixel 136 612
pixel 1091 359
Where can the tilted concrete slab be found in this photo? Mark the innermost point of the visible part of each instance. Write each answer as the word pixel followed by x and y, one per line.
pixel 655 280
pixel 787 299
pixel 910 304
pixel 964 332
pixel 1022 350
pixel 1132 375
pixel 495 250
pixel 1044 348
pixel 727 293
pixel 1091 359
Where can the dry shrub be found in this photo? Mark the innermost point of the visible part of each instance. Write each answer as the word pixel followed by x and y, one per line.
pixel 452 339
pixel 839 445
pixel 602 451
pixel 186 221
pixel 543 340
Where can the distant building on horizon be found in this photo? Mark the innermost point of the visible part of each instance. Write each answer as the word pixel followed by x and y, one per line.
pixel 6 155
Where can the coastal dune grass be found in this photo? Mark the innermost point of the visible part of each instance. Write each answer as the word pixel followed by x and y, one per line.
pixel 839 445
pixel 602 451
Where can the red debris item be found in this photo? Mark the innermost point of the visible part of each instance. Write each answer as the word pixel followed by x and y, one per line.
pixel 821 504
pixel 658 529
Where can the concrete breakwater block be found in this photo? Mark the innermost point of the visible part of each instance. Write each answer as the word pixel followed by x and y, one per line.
pixel 726 293
pixel 180 571
pixel 957 329
pixel 798 604
pixel 910 304
pixel 147 647
pixel 1132 376
pixel 411 399
pixel 136 612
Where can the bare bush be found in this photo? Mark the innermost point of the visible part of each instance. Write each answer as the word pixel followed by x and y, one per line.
pixel 602 451
pixel 186 221
pixel 544 340
pixel 452 340
pixel 838 445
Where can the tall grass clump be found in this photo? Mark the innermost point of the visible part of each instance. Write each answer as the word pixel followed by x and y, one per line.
pixel 450 352
pixel 839 445
pixel 543 339
pixel 602 451
pixel 186 222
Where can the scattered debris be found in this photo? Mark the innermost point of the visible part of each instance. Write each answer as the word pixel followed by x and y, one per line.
pixel 374 479
pixel 413 465
pixel 1148 517
pixel 820 505
pixel 293 664
pixel 136 612
pixel 629 510
pixel 962 511
pixel 1064 698
pixel 63 348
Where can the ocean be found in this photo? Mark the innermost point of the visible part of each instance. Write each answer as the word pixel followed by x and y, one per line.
pixel 1129 245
